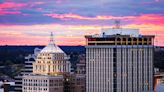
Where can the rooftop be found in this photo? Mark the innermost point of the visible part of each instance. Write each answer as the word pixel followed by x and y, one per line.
pixel 118 32
pixel 121 31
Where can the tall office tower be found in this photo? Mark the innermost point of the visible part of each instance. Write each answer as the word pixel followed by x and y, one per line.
pixel 27 69
pixel 119 60
pixel 51 72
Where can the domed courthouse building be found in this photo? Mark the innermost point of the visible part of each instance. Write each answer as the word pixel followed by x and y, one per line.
pixel 52 72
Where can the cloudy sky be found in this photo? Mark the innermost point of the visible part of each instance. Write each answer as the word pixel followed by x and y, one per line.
pixel 29 22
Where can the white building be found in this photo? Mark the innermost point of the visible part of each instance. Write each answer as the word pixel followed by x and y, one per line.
pixel 119 60
pixel 52 73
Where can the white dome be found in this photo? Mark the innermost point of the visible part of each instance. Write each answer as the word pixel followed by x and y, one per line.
pixel 51 47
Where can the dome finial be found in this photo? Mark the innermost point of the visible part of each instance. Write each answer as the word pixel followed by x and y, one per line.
pixel 51 37
pixel 51 42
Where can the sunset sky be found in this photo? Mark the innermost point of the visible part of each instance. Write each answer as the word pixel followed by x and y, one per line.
pixel 29 22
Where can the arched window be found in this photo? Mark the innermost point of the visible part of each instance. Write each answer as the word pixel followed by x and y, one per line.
pixel 135 41
pixel 129 41
pixel 118 41
pixel 124 41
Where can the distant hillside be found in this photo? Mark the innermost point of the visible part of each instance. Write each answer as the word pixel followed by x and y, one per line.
pixel 12 57
pixel 16 54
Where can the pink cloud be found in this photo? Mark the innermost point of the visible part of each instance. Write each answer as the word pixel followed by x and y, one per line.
pixel 39 9
pixel 31 4
pixel 11 5
pixel 69 15
pixel 157 0
pixel 39 3
pixel 76 16
pixel 58 1
pixel 9 12
pixel 143 18
pixel 17 5
pixel 150 19
pixel 149 2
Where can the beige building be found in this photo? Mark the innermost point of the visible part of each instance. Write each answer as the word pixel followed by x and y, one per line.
pixel 52 73
pixel 43 83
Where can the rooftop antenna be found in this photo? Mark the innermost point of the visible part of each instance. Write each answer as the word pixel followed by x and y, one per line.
pixel 117 24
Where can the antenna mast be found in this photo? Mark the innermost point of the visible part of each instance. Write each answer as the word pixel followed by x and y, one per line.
pixel 117 24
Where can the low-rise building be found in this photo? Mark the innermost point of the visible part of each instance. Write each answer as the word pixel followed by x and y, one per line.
pixel 80 67
pixel 27 69
pixel 43 83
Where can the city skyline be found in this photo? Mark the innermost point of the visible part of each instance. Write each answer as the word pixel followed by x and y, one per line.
pixel 28 22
